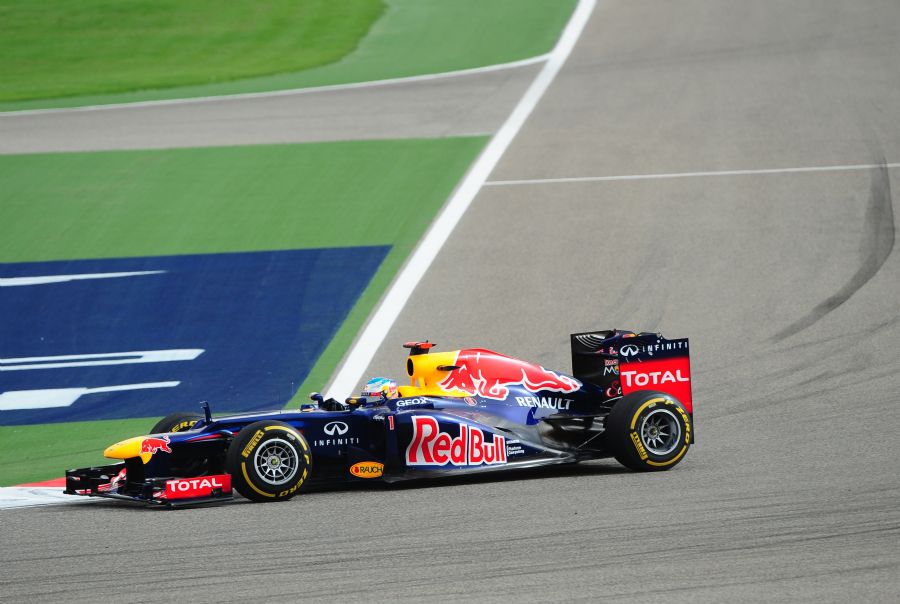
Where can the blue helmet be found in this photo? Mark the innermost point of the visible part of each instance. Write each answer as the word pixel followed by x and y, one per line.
pixel 380 385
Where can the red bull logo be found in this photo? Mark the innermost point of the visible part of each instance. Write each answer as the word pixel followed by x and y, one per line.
pixel 151 445
pixel 431 447
pixel 488 374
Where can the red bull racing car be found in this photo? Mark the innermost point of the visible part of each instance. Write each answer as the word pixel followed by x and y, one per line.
pixel 464 411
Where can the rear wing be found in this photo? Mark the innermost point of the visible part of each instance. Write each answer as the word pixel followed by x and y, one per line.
pixel 634 361
pixel 662 365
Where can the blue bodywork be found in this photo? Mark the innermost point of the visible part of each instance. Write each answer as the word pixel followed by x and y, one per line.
pixel 381 430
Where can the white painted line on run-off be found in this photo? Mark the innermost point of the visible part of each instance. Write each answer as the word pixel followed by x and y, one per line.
pixel 288 92
pixel 15 400
pixel 574 179
pixel 47 279
pixel 95 360
pixel 403 286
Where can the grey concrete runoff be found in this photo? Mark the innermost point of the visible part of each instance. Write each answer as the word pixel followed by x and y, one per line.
pixel 787 284
pixel 465 105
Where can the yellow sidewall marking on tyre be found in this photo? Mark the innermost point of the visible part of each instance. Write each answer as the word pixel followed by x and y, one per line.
pixel 687 433
pixel 642 452
pixel 642 407
pixel 288 430
pixel 671 461
pixel 253 486
pixel 687 424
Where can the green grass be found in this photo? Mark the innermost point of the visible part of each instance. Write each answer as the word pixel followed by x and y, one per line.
pixel 42 452
pixel 60 48
pixel 186 201
pixel 57 206
pixel 413 37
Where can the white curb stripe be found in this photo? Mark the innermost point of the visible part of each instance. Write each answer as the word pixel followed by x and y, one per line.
pixel 381 321
pixel 23 497
pixel 291 91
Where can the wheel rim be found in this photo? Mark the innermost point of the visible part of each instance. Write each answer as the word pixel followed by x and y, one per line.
pixel 660 432
pixel 276 461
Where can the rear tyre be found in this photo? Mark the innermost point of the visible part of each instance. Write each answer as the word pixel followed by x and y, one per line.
pixel 176 422
pixel 648 431
pixel 268 461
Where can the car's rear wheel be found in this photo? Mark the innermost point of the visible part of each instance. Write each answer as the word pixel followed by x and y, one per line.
pixel 176 422
pixel 268 461
pixel 648 431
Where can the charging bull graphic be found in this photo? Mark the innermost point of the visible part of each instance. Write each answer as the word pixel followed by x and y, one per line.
pixel 488 374
pixel 152 445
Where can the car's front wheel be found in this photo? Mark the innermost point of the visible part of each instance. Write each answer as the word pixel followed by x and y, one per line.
pixel 176 422
pixel 648 431
pixel 268 461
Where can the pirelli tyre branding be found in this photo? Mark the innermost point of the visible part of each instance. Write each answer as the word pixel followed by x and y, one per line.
pixel 249 448
pixel 641 450
pixel 184 425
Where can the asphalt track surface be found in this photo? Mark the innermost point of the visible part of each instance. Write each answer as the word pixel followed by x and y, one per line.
pixel 786 283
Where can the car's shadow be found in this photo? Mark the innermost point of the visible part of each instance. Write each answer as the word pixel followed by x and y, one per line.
pixel 545 472
pixel 583 469
pixel 589 468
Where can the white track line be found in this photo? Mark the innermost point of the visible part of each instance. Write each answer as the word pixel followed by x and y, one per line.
pixel 393 302
pixel 292 91
pixel 544 181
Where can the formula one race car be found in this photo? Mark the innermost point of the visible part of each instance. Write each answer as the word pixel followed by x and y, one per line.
pixel 470 410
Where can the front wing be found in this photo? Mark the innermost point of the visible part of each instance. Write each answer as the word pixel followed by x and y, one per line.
pixel 112 482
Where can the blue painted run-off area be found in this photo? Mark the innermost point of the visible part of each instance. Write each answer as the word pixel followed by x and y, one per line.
pixel 241 330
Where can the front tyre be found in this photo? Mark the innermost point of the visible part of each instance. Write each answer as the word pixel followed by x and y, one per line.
pixel 648 431
pixel 268 461
pixel 183 465
pixel 176 422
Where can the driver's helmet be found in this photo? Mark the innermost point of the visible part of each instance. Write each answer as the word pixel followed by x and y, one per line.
pixel 377 386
